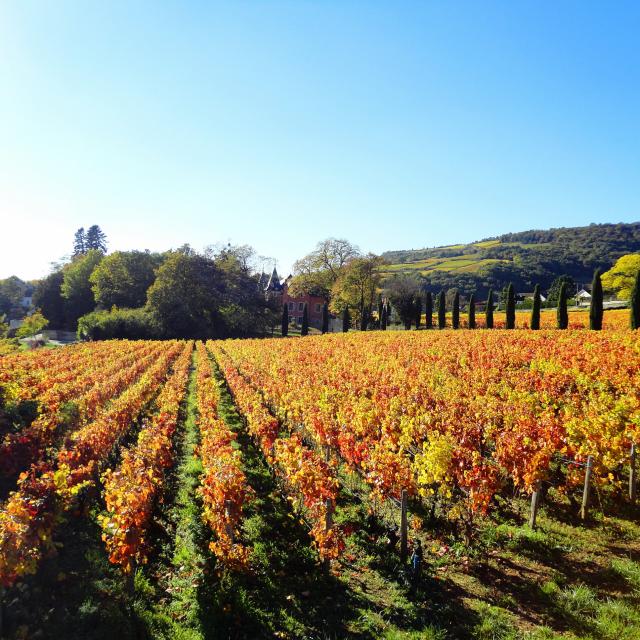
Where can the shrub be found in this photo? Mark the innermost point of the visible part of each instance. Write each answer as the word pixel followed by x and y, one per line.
pixel 132 324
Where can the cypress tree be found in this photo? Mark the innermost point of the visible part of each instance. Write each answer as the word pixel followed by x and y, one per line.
pixel 284 328
pixel 428 311
pixel 535 311
pixel 384 317
pixel 418 311
pixel 472 312
pixel 596 311
pixel 562 315
pixel 364 315
pixel 635 303
pixel 346 320
pixel 325 318
pixel 511 307
pixel 442 311
pixel 489 310
pixel 304 329
pixel 380 312
pixel 455 312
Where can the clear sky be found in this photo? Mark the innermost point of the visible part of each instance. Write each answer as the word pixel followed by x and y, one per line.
pixel 396 125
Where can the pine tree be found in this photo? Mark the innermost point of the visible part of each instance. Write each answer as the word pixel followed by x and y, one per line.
pixel 96 239
pixel 325 318
pixel 535 311
pixel 472 312
pixel 455 311
pixel 442 311
pixel 489 310
pixel 284 327
pixel 635 304
pixel 428 311
pixel 346 320
pixel 561 314
pixel 304 329
pixel 79 243
pixel 418 311
pixel 596 310
pixel 511 307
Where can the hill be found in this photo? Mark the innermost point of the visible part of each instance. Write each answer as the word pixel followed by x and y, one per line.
pixel 524 258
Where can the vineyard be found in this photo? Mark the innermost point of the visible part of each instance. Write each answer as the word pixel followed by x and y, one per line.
pixel 285 487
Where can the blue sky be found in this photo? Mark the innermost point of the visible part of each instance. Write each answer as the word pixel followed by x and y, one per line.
pixel 277 124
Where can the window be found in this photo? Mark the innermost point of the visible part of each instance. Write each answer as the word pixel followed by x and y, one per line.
pixel 318 306
pixel 300 306
pixel 300 319
pixel 291 305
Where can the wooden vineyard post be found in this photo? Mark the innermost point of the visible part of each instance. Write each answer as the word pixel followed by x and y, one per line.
pixel 587 488
pixel 403 525
pixel 632 474
pixel 535 501
pixel 227 514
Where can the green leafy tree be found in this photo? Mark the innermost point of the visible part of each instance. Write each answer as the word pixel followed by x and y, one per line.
pixel 511 308
pixel 554 291
pixel 455 311
pixel 284 325
pixel 304 329
pixel 621 278
pixel 635 303
pixel 472 312
pixel 442 311
pixel 346 320
pixel 317 272
pixel 596 310
pixel 535 310
pixel 418 311
pixel 562 314
pixel 186 297
pixel 428 311
pixel 11 293
pixel 123 278
pixel 95 239
pixel 357 286
pixel 489 310
pixel 401 291
pixel 325 318
pixel 32 325
pixel 4 326
pixel 76 286
pixel 48 298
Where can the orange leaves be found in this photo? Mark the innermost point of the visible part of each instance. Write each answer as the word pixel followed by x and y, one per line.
pixel 131 490
pixel 224 489
pixel 28 518
pixel 508 403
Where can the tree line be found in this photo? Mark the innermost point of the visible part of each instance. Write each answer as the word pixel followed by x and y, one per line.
pixel 180 293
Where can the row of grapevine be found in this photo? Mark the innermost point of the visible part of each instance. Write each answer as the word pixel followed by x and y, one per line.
pixel 98 381
pixel 131 489
pixel 303 471
pixel 224 488
pixel 47 490
pixel 465 414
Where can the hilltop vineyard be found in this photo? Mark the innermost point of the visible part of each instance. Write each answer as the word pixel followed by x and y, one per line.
pixel 179 465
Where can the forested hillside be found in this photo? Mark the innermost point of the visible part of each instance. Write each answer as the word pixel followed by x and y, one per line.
pixel 524 258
